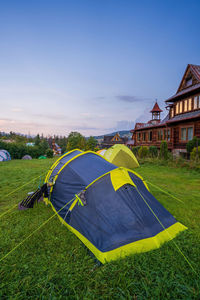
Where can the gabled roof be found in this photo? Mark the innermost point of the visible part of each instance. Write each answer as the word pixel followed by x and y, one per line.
pixel 186 116
pixel 196 71
pixel 156 108
pixel 192 73
pixel 194 88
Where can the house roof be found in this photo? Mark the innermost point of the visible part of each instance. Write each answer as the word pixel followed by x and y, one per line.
pixel 156 108
pixel 184 92
pixel 196 71
pixel 186 116
pixel 191 70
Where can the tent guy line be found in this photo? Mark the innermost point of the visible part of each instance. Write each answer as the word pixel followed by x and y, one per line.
pixel 186 259
pixel 37 229
pixel 162 190
pixel 56 213
pixel 19 188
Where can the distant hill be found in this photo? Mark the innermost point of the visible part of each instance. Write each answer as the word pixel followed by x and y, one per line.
pixel 123 133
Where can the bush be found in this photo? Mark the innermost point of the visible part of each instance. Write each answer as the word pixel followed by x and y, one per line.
pixel 163 150
pixel 18 150
pixel 143 151
pixel 135 150
pixel 194 155
pixel 49 153
pixel 193 143
pixel 153 151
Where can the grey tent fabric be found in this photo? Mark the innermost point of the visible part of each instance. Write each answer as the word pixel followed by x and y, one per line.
pixel 26 157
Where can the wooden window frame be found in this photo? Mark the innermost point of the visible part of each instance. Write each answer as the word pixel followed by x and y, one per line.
pixel 138 135
pixel 198 102
pixel 186 127
pixel 145 137
pixel 150 132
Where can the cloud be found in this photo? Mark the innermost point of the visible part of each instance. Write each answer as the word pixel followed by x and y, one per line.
pixel 127 98
pixel 50 116
pixel 16 109
pixel 130 98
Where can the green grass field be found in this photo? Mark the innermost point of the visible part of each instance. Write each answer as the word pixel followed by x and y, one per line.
pixel 53 263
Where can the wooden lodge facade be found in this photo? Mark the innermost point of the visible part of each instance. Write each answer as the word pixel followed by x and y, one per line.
pixel 182 122
pixel 110 140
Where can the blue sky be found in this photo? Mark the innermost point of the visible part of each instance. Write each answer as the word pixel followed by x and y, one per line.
pixel 91 66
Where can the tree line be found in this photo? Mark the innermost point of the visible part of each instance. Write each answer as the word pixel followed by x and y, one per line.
pixel 16 144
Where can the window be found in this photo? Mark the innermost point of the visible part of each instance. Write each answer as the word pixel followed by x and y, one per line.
pixel 196 102
pixel 172 112
pixel 158 135
pixel 190 133
pixel 181 107
pixel 187 134
pixel 150 135
pixel 188 81
pixel 168 134
pixel 183 134
pixel 144 136
pixel 138 136
pixel 185 105
pixel 177 108
pixel 161 134
pixel 190 104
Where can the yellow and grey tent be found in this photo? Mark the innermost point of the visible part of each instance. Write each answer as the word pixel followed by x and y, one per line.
pixel 101 152
pixel 109 209
pixel 121 156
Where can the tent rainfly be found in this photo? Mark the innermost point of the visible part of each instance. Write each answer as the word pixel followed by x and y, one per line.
pixel 4 155
pixel 121 156
pixel 26 157
pixel 113 212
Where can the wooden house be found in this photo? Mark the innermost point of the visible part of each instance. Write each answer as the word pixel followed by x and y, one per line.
pixel 110 140
pixel 182 122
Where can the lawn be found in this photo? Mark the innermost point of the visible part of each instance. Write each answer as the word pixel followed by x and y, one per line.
pixel 53 263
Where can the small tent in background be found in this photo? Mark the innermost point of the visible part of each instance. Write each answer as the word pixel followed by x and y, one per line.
pixel 121 156
pixel 4 155
pixel 101 152
pixel 26 157
pixel 42 157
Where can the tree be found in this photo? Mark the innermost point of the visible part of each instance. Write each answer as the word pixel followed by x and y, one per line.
pixel 193 143
pixel 91 143
pixel 44 145
pixel 49 153
pixel 37 140
pixel 75 140
pixel 164 150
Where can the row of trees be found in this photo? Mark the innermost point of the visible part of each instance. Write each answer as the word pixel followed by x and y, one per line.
pixel 17 146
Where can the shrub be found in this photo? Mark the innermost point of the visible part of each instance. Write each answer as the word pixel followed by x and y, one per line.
pixel 163 150
pixel 153 151
pixel 193 143
pixel 135 150
pixel 143 151
pixel 49 153
pixel 194 155
pixel 18 150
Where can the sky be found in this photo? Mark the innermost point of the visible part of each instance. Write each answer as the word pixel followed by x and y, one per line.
pixel 93 66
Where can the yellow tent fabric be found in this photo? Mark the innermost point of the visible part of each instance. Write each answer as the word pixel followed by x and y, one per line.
pixel 121 156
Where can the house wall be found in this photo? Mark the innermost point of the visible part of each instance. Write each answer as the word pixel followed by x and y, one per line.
pixel 175 143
